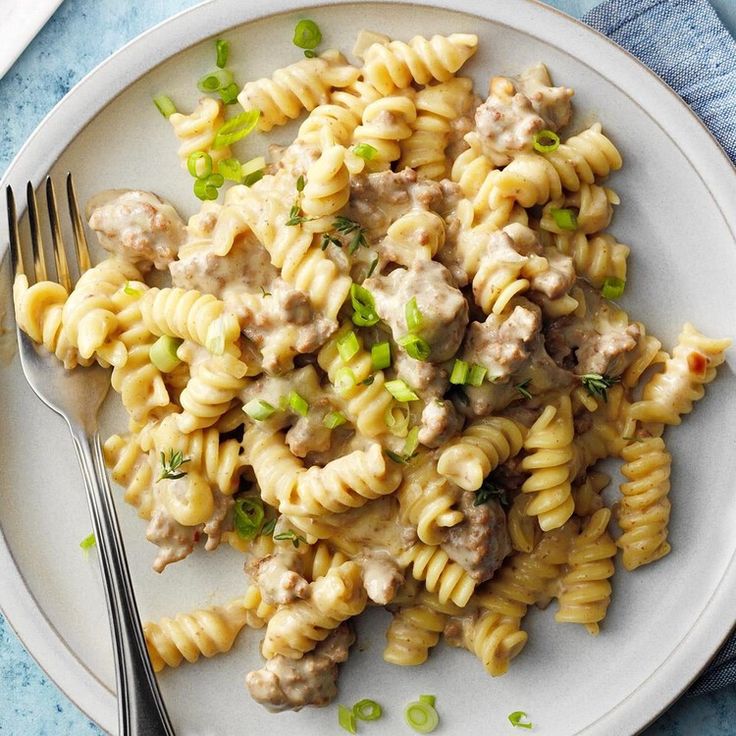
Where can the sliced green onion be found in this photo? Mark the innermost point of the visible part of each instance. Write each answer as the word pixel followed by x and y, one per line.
pixel 460 370
pixel 206 189
pixel 307 35
pixel 253 165
pixel 366 151
pixel 236 128
pixel 396 418
pixel 367 710
pixel 546 141
pixel 400 391
pixel 422 717
pixel 215 339
pixel 516 718
pixel 222 49
pixel 412 442
pixel 414 317
pixel 348 346
pixel 334 419
pixel 415 347
pixel 477 375
pixel 163 353
pixel 131 290
pixel 231 169
pixel 199 164
pixel 165 106
pixel 364 305
pixel 381 356
pixel 248 517
pixel 229 94
pixel 215 81
pixel 613 287
pixel 298 404
pixel 346 718
pixel 309 53
pixel 428 699
pixel 259 409
pixel 250 179
pixel 88 541
pixel 344 379
pixel 564 219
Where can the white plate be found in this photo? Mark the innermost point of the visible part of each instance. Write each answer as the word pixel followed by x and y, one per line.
pixel 678 214
pixel 20 23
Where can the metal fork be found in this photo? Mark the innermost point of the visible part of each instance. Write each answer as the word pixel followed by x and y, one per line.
pixel 77 396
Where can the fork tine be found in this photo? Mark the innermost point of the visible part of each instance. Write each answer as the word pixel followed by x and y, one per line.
pixel 80 239
pixel 57 239
pixel 16 254
pixel 39 261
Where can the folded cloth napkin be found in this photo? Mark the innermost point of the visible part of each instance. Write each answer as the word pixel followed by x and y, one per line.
pixel 686 44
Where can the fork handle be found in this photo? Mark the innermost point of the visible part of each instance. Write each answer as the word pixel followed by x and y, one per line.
pixel 141 709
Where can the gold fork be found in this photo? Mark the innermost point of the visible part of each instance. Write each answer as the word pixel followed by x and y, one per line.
pixel 77 396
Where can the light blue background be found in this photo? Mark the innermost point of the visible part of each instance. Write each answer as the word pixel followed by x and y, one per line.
pixel 80 35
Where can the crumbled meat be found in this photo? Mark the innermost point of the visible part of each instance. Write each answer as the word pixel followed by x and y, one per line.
pixel 246 267
pixel 309 434
pixel 440 422
pixel 557 279
pixel 553 104
pixel 427 379
pixel 481 541
pixel 285 683
pixel 599 353
pixel 382 576
pixel 276 579
pixel 174 540
pixel 501 344
pixel 139 226
pixel 443 307
pixel 216 524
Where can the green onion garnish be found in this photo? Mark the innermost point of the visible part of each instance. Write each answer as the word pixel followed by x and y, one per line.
pixel 307 35
pixel 131 290
pixel 597 384
pixel 564 219
pixel 199 164
pixel 89 541
pixel 516 719
pixel 236 128
pixel 477 375
pixel 309 53
pixel 366 151
pixel 346 718
pixel 163 353
pixel 415 347
pixel 229 94
pixel 400 391
pixel 248 517
pixel 414 317
pixel 348 346
pixel 460 370
pixel 259 409
pixel 412 442
pixel 298 404
pixel 522 388
pixel 364 306
pixel 367 710
pixel 231 169
pixel 381 356
pixel 164 104
pixel 255 164
pixel 344 379
pixel 206 189
pixel 171 467
pixel 422 717
pixel 428 699
pixel 215 81
pixel 546 141
pixel 222 49
pixel 334 419
pixel 613 287
pixel 215 339
pixel 290 536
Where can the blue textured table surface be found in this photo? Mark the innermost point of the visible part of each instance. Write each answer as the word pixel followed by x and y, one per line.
pixel 80 35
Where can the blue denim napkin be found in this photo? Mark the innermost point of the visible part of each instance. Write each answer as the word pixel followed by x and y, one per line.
pixel 686 44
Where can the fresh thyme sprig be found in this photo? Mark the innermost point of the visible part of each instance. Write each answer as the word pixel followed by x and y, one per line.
pixel 598 385
pixel 170 469
pixel 291 536
pixel 489 491
pixel 522 388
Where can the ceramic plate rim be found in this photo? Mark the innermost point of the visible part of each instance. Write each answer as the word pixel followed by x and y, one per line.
pixel 194 24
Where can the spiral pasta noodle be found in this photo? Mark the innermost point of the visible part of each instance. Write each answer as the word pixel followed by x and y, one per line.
pixel 328 184
pixel 413 631
pixel 433 566
pixel 385 123
pixel 197 131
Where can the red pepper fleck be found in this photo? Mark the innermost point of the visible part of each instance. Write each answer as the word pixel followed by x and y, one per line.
pixel 698 364
pixel 197 535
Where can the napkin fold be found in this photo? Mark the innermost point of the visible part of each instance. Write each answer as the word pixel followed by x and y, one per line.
pixel 685 43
